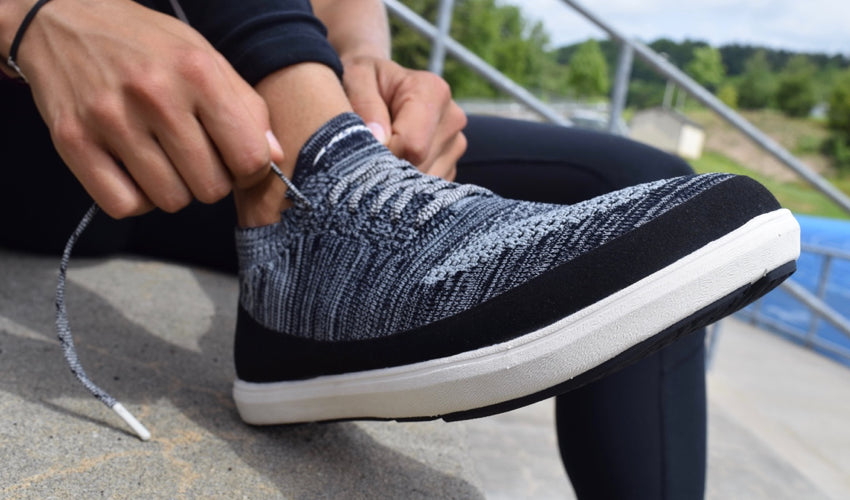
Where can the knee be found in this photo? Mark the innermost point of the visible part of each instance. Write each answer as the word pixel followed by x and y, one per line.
pixel 657 164
pixel 678 166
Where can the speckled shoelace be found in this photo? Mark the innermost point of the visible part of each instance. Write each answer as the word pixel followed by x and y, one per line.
pixel 63 327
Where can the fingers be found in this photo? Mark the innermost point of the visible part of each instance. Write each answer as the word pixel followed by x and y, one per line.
pixel 236 120
pixel 445 163
pixel 426 121
pixel 134 167
pixel 195 159
pixel 363 91
pixel 437 145
pixel 107 183
pixel 416 106
pixel 152 172
pixel 124 134
pixel 414 129
pixel 419 106
pixel 255 105
pixel 142 109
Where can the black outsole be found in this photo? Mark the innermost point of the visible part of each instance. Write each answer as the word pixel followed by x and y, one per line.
pixel 705 316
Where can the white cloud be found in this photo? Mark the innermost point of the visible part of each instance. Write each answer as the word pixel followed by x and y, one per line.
pixel 814 25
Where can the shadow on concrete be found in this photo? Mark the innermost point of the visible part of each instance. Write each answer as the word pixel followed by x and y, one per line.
pixel 64 440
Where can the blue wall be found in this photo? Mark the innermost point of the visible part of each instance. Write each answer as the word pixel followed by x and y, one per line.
pixel 778 305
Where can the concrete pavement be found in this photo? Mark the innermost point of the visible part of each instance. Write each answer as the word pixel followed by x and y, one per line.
pixel 158 337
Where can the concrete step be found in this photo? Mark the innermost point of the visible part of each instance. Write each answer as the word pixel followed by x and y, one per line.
pixel 159 338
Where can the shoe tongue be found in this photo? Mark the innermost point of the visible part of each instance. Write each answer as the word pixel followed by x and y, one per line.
pixel 336 148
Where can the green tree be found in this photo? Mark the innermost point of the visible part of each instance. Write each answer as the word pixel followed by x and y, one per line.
pixel 839 105
pixel 588 70
pixel 544 73
pixel 837 146
pixel 728 94
pixel 643 94
pixel 706 67
pixel 796 93
pixel 757 87
pixel 498 34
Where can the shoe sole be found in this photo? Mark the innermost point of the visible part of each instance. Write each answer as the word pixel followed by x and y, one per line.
pixel 708 284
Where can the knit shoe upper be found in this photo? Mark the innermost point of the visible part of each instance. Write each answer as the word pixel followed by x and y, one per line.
pixel 387 293
pixel 378 248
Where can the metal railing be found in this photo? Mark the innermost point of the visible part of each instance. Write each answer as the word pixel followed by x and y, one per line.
pixel 814 302
pixel 472 61
pixel 629 49
pixel 443 44
pixel 697 91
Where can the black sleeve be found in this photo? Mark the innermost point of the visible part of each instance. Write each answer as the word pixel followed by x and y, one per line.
pixel 259 37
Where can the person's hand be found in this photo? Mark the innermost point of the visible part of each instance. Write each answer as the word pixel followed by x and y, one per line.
pixel 142 109
pixel 411 112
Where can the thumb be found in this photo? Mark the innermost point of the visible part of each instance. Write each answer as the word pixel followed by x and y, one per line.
pixel 364 94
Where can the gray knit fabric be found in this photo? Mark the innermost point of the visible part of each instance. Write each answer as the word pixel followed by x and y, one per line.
pixel 378 248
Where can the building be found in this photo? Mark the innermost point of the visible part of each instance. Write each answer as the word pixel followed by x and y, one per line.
pixel 668 130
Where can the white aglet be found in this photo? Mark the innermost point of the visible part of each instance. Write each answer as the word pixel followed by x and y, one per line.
pixel 128 417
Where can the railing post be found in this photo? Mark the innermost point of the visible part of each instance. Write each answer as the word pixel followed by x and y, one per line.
pixel 621 87
pixel 680 100
pixel 668 95
pixel 821 294
pixel 754 319
pixel 438 46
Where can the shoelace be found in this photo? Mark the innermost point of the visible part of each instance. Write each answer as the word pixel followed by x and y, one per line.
pixel 63 327
pixel 63 331
pixel 387 174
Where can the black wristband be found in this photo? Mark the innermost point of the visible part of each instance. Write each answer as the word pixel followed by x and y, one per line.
pixel 13 52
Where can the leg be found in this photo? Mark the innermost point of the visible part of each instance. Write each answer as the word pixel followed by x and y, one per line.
pixel 639 432
pixel 541 162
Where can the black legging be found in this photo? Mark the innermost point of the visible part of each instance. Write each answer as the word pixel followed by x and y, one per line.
pixel 639 433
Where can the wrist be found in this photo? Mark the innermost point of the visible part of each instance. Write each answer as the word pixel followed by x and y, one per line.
pixel 12 13
pixel 7 73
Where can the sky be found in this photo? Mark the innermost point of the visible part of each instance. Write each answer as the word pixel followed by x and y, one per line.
pixel 796 25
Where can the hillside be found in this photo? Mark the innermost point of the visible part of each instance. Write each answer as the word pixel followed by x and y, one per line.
pixel 730 151
pixel 802 137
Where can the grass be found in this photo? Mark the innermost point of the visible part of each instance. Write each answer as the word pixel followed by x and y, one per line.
pixel 789 132
pixel 801 136
pixel 799 197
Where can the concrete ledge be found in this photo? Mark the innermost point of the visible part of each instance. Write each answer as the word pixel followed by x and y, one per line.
pixel 159 338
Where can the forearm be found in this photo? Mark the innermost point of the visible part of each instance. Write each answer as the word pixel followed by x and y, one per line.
pixel 356 28
pixel 259 37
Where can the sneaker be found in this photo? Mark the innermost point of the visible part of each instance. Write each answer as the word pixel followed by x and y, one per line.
pixel 385 293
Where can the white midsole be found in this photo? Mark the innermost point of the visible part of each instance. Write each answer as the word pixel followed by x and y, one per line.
pixel 540 359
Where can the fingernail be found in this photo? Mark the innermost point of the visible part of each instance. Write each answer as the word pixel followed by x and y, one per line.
pixel 377 131
pixel 273 143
